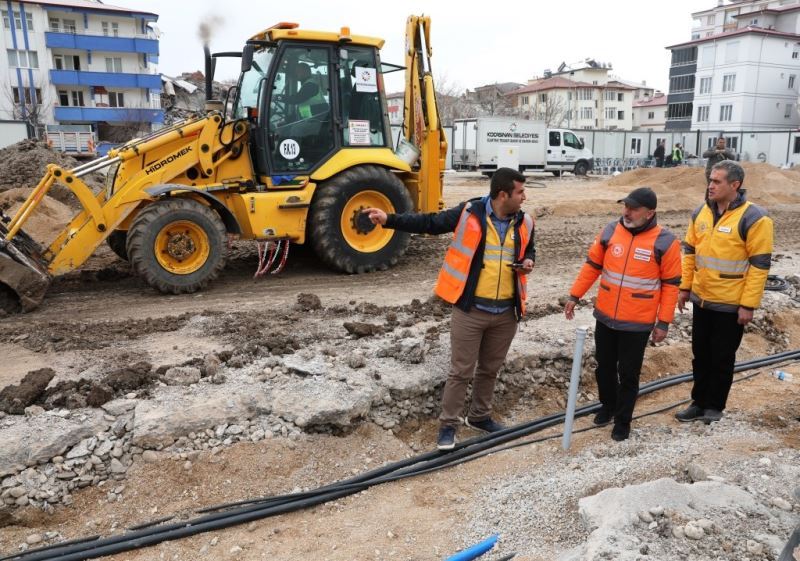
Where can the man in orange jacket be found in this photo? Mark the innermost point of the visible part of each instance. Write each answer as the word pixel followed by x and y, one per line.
pixel 484 277
pixel 639 265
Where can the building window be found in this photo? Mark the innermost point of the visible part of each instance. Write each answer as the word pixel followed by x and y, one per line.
pixel 796 145
pixel 621 115
pixel 524 100
pixel 587 113
pixel 636 145
pixel 77 99
pixel 684 56
pixel 55 25
pixel 67 62
pixel 725 112
pixel 705 85
pixel 695 36
pixel 791 81
pixel 728 82
pixel 69 26
pixel 679 111
pixel 104 25
pixel 113 65
pixel 732 52
pixel 788 113
pixel 116 99
pixel 683 83
pixel 22 59
pixel 651 114
pixel 620 97
pixel 543 98
pixel 732 142
pixel 611 113
pixel 702 113
pixel 27 95
pixel 585 94
pixel 63 98
pixel 610 95
pixel 710 20
pixel 18 20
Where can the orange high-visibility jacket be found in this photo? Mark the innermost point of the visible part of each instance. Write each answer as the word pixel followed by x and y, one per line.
pixel 639 276
pixel 470 236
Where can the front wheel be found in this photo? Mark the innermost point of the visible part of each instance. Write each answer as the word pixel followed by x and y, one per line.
pixel 177 245
pixel 344 238
pixel 116 240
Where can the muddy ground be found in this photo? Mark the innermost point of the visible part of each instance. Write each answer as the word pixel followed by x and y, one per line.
pixel 99 326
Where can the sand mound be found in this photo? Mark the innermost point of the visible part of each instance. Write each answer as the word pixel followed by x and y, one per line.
pixel 47 220
pixel 678 187
pixel 25 162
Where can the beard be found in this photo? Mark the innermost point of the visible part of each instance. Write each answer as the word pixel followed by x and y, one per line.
pixel 631 224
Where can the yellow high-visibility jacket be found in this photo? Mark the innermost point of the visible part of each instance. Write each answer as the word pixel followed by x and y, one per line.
pixel 727 258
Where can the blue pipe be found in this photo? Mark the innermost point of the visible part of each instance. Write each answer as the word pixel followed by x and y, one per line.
pixel 476 550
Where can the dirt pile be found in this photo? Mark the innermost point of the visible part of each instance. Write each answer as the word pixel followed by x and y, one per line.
pixel 25 163
pixel 675 187
pixel 46 221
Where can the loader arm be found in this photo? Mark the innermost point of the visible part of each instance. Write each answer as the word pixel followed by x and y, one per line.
pixel 421 123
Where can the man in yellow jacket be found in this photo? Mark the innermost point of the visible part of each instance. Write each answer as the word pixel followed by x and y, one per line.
pixel 727 255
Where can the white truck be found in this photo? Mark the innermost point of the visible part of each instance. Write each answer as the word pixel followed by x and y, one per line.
pixel 486 143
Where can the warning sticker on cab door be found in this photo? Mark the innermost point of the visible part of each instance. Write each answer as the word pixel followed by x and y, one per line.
pixel 359 132
pixel 289 149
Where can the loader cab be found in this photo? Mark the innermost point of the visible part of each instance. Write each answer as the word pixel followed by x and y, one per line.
pixel 307 101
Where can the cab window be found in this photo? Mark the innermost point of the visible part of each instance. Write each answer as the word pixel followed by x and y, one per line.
pixel 363 113
pixel 572 141
pixel 555 138
pixel 299 115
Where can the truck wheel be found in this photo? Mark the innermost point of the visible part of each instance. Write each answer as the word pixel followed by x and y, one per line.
pixel 581 168
pixel 116 241
pixel 177 245
pixel 344 238
pixel 556 173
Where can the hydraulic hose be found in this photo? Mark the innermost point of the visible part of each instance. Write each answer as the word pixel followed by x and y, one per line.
pixel 256 509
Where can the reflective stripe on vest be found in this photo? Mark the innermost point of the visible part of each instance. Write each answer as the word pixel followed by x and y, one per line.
pixel 721 265
pixel 628 281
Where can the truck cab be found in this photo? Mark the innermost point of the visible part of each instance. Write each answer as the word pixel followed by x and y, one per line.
pixel 566 152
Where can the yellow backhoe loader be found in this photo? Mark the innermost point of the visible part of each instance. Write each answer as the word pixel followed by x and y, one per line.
pixel 299 147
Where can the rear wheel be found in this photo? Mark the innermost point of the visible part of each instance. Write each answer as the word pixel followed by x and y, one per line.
pixel 344 238
pixel 117 241
pixel 177 245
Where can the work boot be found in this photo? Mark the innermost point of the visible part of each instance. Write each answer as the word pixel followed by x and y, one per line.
pixel 691 413
pixel 711 416
pixel 603 417
pixel 487 425
pixel 447 438
pixel 621 431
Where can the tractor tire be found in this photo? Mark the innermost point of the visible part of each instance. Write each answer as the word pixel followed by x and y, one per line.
pixel 342 237
pixel 116 241
pixel 177 245
pixel 581 168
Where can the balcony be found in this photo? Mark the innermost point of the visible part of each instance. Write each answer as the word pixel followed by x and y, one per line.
pixel 107 79
pixel 109 114
pixel 56 40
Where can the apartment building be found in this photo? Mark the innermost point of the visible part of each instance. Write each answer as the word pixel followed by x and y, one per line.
pixel 650 112
pixel 739 71
pixel 579 96
pixel 80 63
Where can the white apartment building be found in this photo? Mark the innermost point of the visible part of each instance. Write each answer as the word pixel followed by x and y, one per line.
pixel 79 63
pixel 580 96
pixel 650 113
pixel 741 69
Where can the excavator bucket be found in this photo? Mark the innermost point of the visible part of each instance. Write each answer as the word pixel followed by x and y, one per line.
pixel 23 274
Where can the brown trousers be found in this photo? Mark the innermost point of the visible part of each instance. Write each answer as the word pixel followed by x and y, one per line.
pixel 478 338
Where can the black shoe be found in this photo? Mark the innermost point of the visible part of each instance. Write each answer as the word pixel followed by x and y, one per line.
pixel 711 416
pixel 691 413
pixel 487 425
pixel 620 432
pixel 602 418
pixel 447 438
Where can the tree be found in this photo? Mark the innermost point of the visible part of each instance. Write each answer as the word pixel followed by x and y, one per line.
pixel 30 105
pixel 452 101
pixel 551 110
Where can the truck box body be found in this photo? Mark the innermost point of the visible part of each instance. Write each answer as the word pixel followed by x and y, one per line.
pixel 478 144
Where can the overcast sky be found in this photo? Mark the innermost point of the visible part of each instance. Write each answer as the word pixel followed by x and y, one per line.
pixel 474 43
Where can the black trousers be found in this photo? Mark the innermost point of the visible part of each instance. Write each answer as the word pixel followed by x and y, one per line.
pixel 619 362
pixel 715 339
